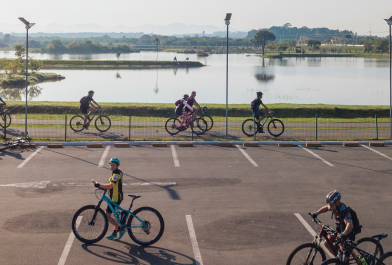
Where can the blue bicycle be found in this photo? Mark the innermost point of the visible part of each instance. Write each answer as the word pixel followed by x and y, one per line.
pixel 145 225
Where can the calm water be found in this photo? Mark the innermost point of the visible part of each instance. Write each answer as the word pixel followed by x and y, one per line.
pixel 351 81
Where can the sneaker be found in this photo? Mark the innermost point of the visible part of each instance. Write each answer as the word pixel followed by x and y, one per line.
pixel 121 233
pixel 112 236
pixel 261 130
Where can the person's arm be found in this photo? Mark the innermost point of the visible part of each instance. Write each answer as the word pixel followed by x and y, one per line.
pixel 323 209
pixel 265 107
pixel 187 105
pixel 93 102
pixel 106 186
pixel 349 227
pixel 197 104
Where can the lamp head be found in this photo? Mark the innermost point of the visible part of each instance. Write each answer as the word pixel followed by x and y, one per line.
pixel 28 24
pixel 227 19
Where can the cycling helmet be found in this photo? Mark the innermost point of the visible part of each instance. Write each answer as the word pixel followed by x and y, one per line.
pixel 115 160
pixel 91 92
pixel 193 93
pixel 259 93
pixel 332 197
pixel 186 96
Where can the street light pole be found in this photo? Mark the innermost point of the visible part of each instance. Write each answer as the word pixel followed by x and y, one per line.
pixel 28 26
pixel 227 22
pixel 389 22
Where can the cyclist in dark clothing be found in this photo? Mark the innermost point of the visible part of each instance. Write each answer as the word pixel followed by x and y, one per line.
pixel 255 105
pixel 85 103
pixel 191 100
pixel 343 218
pixel 180 104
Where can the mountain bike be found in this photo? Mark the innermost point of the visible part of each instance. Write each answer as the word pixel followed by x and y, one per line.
pixel 207 118
pixel 359 256
pixel 275 126
pixel 5 118
pixel 145 225
pixel 313 254
pixel 10 144
pixel 198 125
pixel 102 122
pixel 386 259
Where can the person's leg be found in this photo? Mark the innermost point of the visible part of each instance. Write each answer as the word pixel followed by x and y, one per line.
pixel 327 246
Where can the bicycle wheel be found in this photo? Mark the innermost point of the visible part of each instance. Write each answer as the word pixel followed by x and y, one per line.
pixel 275 127
pixel 369 245
pixel 199 126
pixel 172 126
pixel 153 229
pixel 76 123
pixel 5 120
pixel 248 127
pixel 333 261
pixel 386 259
pixel 307 254
pixel 209 121
pixel 102 123
pixel 86 229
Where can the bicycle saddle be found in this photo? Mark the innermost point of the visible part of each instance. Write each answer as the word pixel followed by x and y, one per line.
pixel 135 196
pixel 379 236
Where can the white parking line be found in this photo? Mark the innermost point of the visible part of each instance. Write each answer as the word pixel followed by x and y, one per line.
pixel 195 246
pixel 30 157
pixel 68 245
pixel 381 154
pixel 105 153
pixel 247 156
pixel 319 157
pixel 311 231
pixel 175 157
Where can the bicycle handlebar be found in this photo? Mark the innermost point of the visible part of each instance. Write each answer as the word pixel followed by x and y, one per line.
pixel 326 227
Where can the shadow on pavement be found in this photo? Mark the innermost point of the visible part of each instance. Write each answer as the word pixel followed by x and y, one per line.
pixel 134 254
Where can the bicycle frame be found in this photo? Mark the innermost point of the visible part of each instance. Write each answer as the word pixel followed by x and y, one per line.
pixel 361 252
pixel 94 114
pixel 112 205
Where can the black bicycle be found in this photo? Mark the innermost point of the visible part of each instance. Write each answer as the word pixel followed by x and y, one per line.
pixel 102 122
pixel 10 144
pixel 275 126
pixel 207 118
pixel 386 259
pixel 5 117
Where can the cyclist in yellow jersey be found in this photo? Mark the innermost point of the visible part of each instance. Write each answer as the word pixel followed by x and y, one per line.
pixel 115 194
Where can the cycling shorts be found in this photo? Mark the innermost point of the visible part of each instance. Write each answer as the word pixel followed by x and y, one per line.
pixel 179 111
pixel 258 114
pixel 84 110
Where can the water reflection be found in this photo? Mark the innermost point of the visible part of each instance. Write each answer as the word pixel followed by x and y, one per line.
pixel 264 75
pixel 279 62
pixel 175 70
pixel 118 76
pixel 19 93
pixel 312 62
pixel 156 84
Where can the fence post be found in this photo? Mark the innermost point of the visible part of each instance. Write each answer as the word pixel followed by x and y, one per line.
pixel 65 134
pixel 316 127
pixel 254 127
pixel 376 128
pixel 129 128
pixel 5 127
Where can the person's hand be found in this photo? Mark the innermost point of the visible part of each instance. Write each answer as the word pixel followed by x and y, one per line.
pixel 342 236
pixel 313 215
pixel 96 184
pixel 270 111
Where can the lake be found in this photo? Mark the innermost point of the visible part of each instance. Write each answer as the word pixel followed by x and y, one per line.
pixel 348 81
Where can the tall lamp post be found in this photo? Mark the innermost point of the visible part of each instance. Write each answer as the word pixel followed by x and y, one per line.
pixel 227 22
pixel 28 26
pixel 389 22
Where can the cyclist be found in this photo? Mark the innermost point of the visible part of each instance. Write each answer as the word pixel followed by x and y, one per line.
pixel 115 194
pixel 87 106
pixel 343 217
pixel 255 105
pixel 191 100
pixel 180 104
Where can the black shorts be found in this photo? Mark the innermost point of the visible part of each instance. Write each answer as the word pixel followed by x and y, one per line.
pixel 178 111
pixel 258 114
pixel 108 210
pixel 84 110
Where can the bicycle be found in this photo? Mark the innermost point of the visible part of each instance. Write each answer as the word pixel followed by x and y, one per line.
pixel 385 259
pixel 5 117
pixel 10 144
pixel 359 256
pixel 207 118
pixel 275 126
pixel 145 225
pixel 102 122
pixel 198 125
pixel 307 253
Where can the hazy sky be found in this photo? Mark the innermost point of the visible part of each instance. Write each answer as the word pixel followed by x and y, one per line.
pixel 247 14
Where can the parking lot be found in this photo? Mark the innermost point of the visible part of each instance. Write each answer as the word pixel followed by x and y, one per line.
pixel 221 205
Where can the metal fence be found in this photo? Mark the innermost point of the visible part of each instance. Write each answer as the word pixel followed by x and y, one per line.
pixel 130 128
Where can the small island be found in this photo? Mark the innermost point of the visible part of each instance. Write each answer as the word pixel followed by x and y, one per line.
pixel 19 79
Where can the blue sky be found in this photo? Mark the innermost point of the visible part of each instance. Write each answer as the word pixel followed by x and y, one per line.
pixel 247 14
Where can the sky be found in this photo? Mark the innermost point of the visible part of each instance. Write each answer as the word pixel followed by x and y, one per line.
pixel 357 15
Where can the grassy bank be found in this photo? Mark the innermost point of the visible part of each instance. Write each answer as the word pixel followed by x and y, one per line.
pixel 94 64
pixel 217 110
pixel 19 80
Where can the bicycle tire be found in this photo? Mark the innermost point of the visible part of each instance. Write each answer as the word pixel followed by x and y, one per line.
pixel 199 126
pixel 85 224
pixel 248 127
pixel 173 124
pixel 138 235
pixel 76 123
pixel 5 120
pixel 386 259
pixel 333 261
pixel 209 121
pixel 103 121
pixel 275 130
pixel 296 258
pixel 369 245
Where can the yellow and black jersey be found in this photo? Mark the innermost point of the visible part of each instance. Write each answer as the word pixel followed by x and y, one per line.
pixel 116 193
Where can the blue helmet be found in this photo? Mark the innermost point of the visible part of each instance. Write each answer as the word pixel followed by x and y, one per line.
pixel 115 160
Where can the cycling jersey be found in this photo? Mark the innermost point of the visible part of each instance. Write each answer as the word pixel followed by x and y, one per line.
pixel 255 105
pixel 342 215
pixel 190 102
pixel 179 108
pixel 86 102
pixel 116 193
